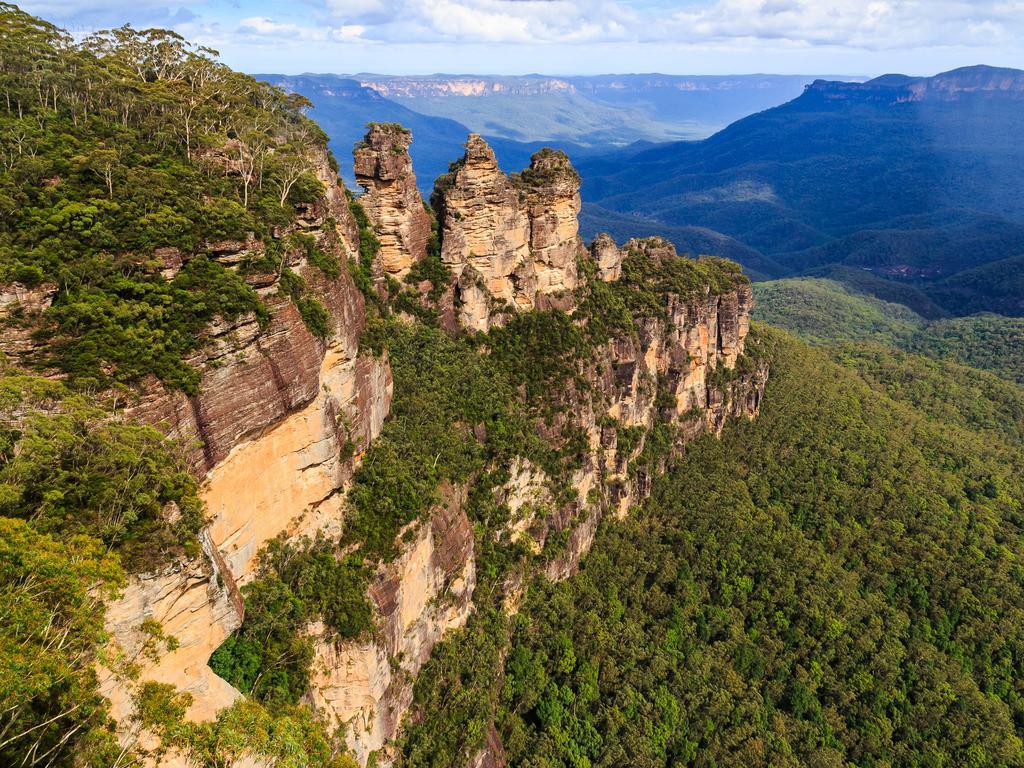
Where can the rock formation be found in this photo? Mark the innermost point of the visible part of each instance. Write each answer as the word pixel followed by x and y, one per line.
pixel 681 369
pixel 607 257
pixel 512 243
pixel 418 597
pixel 392 202
pixel 282 418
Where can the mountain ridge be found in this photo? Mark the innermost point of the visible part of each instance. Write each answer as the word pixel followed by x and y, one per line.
pixel 805 183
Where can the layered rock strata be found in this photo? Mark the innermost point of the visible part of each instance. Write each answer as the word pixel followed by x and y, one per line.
pixel 511 243
pixel 392 202
pixel 276 430
pixel 282 418
pixel 418 597
pixel 684 369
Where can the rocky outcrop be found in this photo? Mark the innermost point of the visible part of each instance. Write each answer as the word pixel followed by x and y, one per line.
pixel 511 243
pixel 427 590
pixel 254 376
pixel 550 188
pixel 392 201
pixel 607 256
pixel 21 308
pixel 683 369
pixel 195 603
pixel 679 368
pixel 282 418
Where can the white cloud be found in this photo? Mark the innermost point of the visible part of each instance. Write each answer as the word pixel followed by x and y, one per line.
pixel 854 36
pixel 490 21
pixel 876 24
pixel 865 24
pixel 260 29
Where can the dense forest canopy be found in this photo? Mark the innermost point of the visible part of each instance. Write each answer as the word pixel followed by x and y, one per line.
pixel 119 147
pixel 822 311
pixel 836 583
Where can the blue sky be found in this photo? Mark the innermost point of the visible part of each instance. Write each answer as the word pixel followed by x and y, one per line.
pixel 857 37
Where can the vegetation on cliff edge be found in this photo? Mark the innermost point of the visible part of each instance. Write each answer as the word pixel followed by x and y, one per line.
pixel 841 586
pixel 118 153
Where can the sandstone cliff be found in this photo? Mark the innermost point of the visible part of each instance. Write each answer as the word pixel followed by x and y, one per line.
pixel 393 203
pixel 683 369
pixel 282 419
pixel 418 597
pixel 276 430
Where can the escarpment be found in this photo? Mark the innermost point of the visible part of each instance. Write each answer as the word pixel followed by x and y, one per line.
pixel 511 243
pixel 418 597
pixel 391 200
pixel 609 361
pixel 653 355
pixel 280 419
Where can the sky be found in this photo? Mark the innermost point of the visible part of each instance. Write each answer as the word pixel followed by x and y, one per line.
pixel 852 37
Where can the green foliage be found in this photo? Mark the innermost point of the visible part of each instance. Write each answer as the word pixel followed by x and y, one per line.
pixel 456 693
pixel 122 144
pixel 646 280
pixel 288 737
pixel 298 582
pixel 824 311
pixel 540 351
pixel 607 314
pixel 51 621
pixel 327 263
pixel 118 328
pixel 70 469
pixel 456 411
pixel 994 287
pixel 433 269
pixel 369 247
pixel 443 388
pixel 990 342
pixel 827 312
pixel 314 315
pixel 841 587
pixel 81 491
pixel 951 393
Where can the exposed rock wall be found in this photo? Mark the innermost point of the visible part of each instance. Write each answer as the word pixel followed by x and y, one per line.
pixel 682 370
pixel 392 201
pixel 283 417
pixel 665 373
pixel 279 424
pixel 195 603
pixel 419 596
pixel 512 243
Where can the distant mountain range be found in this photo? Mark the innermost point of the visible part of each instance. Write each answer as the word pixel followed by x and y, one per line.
pixel 517 115
pixel 590 111
pixel 915 180
pixel 910 188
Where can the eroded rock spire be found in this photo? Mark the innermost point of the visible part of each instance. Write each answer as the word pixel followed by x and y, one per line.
pixel 392 202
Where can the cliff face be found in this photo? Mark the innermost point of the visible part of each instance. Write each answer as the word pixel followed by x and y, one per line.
pixel 384 169
pixel 956 85
pixel 679 370
pixel 418 597
pixel 512 243
pixel 276 431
